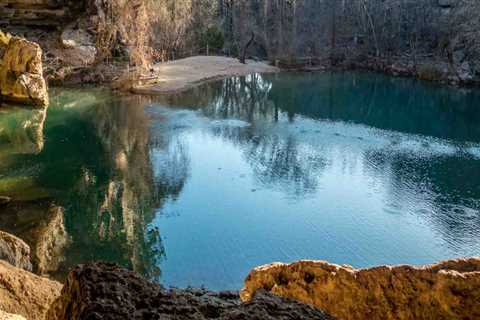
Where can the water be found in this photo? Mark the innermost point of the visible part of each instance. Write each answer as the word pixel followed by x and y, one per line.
pixel 198 188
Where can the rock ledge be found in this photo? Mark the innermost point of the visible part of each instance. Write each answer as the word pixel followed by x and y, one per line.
pixel 447 290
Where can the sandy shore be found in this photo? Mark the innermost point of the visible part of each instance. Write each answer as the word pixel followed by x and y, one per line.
pixel 180 75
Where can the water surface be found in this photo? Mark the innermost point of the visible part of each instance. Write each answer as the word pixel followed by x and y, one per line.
pixel 198 188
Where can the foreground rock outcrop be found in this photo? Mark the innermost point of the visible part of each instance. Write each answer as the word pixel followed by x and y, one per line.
pixel 21 72
pixel 24 293
pixel 105 291
pixel 447 290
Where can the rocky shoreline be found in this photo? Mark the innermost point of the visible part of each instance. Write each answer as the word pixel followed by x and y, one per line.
pixel 428 68
pixel 70 59
pixel 446 290
pixel 301 290
pixel 106 291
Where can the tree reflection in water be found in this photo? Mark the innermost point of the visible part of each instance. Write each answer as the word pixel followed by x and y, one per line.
pixel 420 137
pixel 95 163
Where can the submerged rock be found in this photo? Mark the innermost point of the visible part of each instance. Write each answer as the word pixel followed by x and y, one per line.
pixel 15 251
pixel 105 291
pixel 24 293
pixel 21 131
pixel 21 73
pixel 448 290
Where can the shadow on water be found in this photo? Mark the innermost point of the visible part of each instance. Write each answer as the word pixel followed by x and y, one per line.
pixel 198 188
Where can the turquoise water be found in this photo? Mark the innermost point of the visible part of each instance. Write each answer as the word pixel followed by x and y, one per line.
pixel 198 188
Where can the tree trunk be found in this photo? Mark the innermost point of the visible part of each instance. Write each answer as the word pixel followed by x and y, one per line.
pixel 244 51
pixel 372 26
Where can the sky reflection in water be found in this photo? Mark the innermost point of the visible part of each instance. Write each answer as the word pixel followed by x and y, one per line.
pixel 351 168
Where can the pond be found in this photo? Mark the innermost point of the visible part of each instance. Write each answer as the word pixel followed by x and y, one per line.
pixel 198 188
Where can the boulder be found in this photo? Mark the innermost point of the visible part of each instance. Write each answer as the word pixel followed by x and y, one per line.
pixel 447 290
pixel 24 293
pixel 105 291
pixel 465 72
pixel 15 251
pixel 79 47
pixel 21 73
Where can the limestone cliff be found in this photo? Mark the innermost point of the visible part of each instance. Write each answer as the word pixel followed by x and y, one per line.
pixel 38 13
pixel 448 290
pixel 21 73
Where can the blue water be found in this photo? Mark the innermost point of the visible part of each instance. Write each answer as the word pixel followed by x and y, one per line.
pixel 198 188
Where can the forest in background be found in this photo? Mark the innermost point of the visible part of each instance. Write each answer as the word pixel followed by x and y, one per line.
pixel 441 36
pixel 333 29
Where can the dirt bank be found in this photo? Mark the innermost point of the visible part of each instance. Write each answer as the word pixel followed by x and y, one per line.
pixel 180 75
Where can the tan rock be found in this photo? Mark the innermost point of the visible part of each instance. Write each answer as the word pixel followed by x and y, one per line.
pixel 21 73
pixel 24 293
pixel 15 251
pixel 447 290
pixel 10 316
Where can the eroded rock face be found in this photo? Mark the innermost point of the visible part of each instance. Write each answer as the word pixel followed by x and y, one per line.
pixel 38 12
pixel 79 46
pixel 21 73
pixel 15 251
pixel 448 290
pixel 24 293
pixel 104 291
